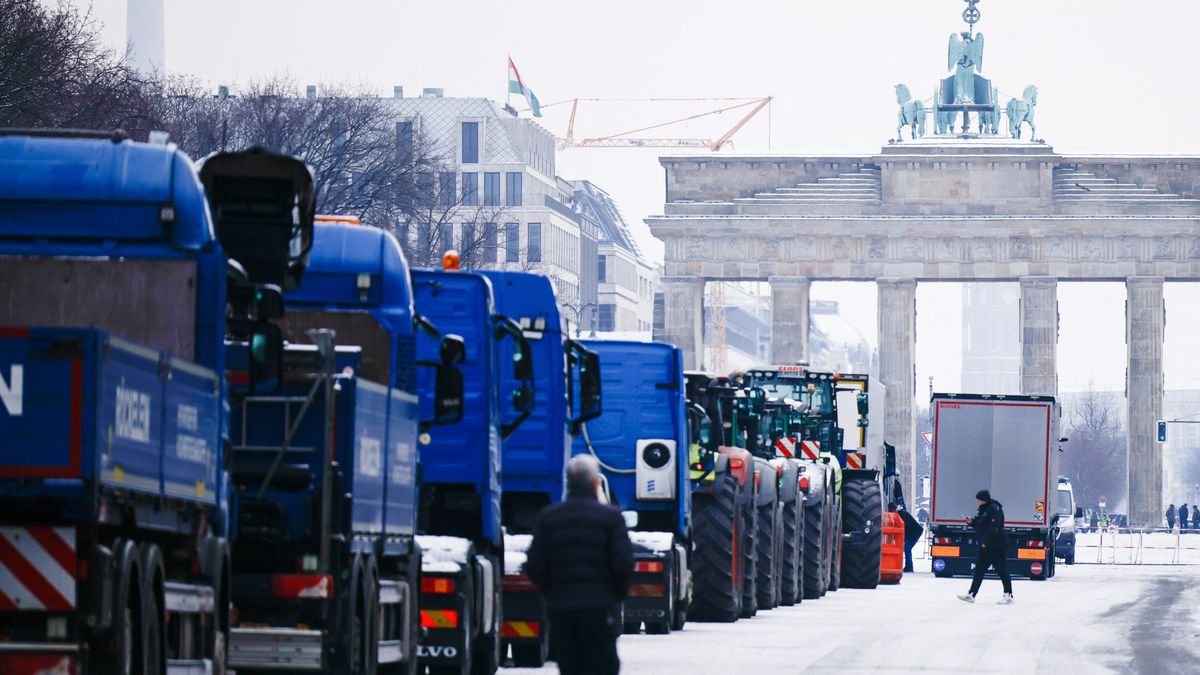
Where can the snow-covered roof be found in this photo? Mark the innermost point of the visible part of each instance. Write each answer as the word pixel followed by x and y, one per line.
pixel 600 207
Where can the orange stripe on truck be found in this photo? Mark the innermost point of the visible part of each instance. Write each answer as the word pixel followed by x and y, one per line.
pixel 1031 554
pixel 945 551
pixel 646 591
pixel 439 618
pixel 519 629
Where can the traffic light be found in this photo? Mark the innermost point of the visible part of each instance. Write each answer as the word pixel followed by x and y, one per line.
pixel 1162 431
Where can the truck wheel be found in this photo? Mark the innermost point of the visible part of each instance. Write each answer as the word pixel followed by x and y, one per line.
pixel 790 581
pixel 749 561
pixel 631 627
pixel 767 549
pixel 715 560
pixel 531 656
pixel 664 627
pixel 680 616
pixel 152 633
pixel 834 541
pixel 862 510
pixel 814 540
pixel 486 657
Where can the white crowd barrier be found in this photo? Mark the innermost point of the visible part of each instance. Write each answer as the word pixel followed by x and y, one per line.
pixel 1123 547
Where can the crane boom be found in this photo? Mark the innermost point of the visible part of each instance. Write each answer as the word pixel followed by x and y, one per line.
pixel 625 139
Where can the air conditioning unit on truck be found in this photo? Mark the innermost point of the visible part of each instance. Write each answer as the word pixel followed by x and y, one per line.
pixel 1007 445
pixel 641 443
pixel 843 532
pixel 112 485
pixel 459 512
pixel 325 565
pixel 534 455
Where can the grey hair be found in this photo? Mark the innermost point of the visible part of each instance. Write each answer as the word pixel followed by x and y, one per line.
pixel 582 472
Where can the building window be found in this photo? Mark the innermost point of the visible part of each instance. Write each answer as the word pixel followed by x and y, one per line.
pixel 470 142
pixel 467 244
pixel 491 189
pixel 470 187
pixel 425 187
pixel 533 249
pixel 489 243
pixel 608 318
pixel 404 141
pixel 512 242
pixel 447 188
pixel 512 196
pixel 446 240
pixel 601 264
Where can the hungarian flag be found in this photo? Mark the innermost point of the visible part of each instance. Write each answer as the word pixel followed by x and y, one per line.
pixel 517 86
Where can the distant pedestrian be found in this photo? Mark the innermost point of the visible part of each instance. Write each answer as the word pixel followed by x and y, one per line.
pixel 993 546
pixel 1171 517
pixel 912 534
pixel 1095 522
pixel 582 560
pixel 1183 517
pixel 1195 516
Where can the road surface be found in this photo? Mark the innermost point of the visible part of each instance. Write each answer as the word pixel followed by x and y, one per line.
pixel 1088 619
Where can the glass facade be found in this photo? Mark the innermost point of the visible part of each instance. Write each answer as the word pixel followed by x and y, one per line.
pixel 470 142
pixel 491 189
pixel 533 249
pixel 470 189
pixel 512 187
pixel 512 242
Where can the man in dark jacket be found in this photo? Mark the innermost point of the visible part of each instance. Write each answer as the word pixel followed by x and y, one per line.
pixel 912 534
pixel 582 560
pixel 1171 517
pixel 1195 516
pixel 1183 517
pixel 993 546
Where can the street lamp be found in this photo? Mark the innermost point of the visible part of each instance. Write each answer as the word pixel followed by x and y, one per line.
pixel 579 311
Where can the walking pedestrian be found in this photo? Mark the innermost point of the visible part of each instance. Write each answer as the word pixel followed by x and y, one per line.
pixel 912 534
pixel 582 560
pixel 1183 517
pixel 1171 517
pixel 993 546
pixel 1195 516
pixel 1095 523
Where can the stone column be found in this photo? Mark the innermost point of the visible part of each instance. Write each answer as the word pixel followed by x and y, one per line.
pixel 897 360
pixel 789 319
pixel 1039 336
pixel 683 307
pixel 1145 327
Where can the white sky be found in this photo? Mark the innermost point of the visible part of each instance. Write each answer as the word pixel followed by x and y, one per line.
pixel 1114 76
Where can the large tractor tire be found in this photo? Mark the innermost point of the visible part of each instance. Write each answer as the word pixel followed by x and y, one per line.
pixel 862 513
pixel 814 551
pixel 749 561
pixel 767 551
pixel 717 529
pixel 835 547
pixel 792 580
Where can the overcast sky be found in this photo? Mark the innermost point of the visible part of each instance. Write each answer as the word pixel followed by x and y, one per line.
pixel 1114 76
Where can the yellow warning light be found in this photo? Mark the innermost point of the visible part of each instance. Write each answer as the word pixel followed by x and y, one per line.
pixel 450 261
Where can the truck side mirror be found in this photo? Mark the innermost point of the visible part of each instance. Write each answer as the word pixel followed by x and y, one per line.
pixel 448 395
pixel 522 359
pixel 452 350
pixel 863 406
pixel 523 398
pixel 587 363
pixel 266 354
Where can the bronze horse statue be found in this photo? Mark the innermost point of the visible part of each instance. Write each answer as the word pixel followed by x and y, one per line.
pixel 1020 111
pixel 912 114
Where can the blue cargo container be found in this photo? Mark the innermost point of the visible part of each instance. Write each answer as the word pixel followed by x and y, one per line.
pixel 111 489
pixel 459 513
pixel 641 441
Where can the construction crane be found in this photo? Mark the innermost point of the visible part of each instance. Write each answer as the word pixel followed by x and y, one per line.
pixel 626 139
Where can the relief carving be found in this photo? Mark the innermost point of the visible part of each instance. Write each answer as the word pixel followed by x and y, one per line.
pixel 1057 248
pixel 1164 248
pixel 1129 248
pixel 1020 248
pixel 1194 250
pixel 949 249
pixel 698 248
pixel 1091 249
pixel 876 249
pixel 983 249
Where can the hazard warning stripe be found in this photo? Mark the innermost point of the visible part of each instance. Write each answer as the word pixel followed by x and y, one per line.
pixel 786 447
pixel 519 629
pixel 646 591
pixel 434 618
pixel 37 568
pixel 854 460
pixel 812 449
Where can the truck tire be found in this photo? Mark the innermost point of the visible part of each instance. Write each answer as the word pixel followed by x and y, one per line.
pixel 766 552
pixel 664 627
pixel 153 603
pixel 814 549
pixel 791 581
pixel 862 511
pixel 834 541
pixel 486 657
pixel 531 656
pixel 749 561
pixel 717 531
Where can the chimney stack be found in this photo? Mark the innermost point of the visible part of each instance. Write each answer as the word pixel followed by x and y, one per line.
pixel 397 91
pixel 222 92
pixel 433 92
pixel 310 92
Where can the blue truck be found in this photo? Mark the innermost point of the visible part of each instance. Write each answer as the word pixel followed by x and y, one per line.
pixel 567 391
pixel 112 482
pixel 641 441
pixel 460 521
pixel 332 584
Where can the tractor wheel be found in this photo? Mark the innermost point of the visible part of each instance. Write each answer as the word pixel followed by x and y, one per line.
pixel 814 550
pixel 767 552
pixel 749 561
pixel 793 546
pixel 835 555
pixel 715 561
pixel 862 512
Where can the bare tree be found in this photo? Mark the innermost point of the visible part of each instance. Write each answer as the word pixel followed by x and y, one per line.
pixel 55 71
pixel 426 229
pixel 1094 457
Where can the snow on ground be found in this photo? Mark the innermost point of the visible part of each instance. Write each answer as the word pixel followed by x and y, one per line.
pixel 1088 619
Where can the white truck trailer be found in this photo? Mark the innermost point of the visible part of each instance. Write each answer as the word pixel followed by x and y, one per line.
pixel 1008 445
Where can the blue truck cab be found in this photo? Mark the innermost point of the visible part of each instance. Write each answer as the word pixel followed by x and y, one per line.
pixel 334 586
pixel 112 514
pixel 459 512
pixel 567 392
pixel 641 441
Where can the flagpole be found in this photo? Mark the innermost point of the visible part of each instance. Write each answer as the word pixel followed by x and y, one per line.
pixel 507 88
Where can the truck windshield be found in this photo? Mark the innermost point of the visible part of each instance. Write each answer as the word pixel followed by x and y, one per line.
pixel 1064 502
pixel 819 399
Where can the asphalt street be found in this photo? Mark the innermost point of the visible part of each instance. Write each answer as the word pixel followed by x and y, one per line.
pixel 1088 619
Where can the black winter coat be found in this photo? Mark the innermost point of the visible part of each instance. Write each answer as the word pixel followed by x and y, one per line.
pixel 581 557
pixel 989 526
pixel 912 529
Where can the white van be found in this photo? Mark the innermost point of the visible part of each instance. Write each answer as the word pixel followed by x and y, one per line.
pixel 1066 514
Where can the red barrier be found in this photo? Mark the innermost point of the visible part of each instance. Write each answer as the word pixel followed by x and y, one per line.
pixel 891 567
